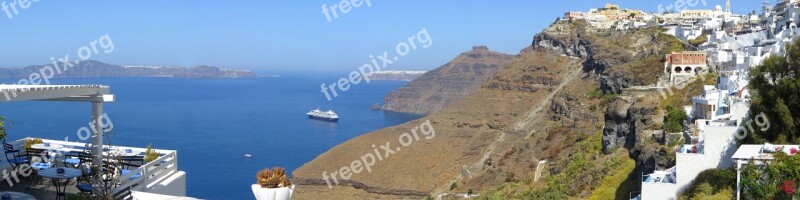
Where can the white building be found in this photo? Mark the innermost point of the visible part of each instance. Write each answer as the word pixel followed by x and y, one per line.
pixel 719 112
pixel 712 145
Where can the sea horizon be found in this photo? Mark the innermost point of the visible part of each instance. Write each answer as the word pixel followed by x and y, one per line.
pixel 213 123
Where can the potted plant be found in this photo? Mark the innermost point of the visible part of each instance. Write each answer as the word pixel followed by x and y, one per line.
pixel 273 185
pixel 32 141
pixel 150 155
pixel 3 134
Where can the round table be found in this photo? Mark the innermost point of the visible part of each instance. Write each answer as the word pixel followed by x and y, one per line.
pixel 51 147
pixel 130 152
pixel 52 173
pixel 18 195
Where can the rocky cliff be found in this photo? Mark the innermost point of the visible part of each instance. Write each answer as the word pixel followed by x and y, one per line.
pixel 543 106
pixel 91 68
pixel 395 75
pixel 442 86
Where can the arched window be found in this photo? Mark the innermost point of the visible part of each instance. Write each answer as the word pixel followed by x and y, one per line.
pixel 678 69
pixel 687 69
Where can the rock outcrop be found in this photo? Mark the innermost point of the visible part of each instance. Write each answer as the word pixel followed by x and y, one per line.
pixel 631 124
pixel 442 86
pixel 625 122
pixel 385 75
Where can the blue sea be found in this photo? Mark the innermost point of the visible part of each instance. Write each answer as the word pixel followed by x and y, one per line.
pixel 213 123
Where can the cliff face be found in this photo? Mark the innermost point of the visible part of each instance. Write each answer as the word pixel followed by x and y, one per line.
pixel 535 108
pixel 619 59
pixel 442 86
pixel 395 75
pixel 91 68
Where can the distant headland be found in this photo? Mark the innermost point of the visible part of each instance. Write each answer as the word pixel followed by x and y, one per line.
pixel 92 68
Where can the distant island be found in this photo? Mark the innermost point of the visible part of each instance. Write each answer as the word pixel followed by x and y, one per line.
pixel 395 75
pixel 91 68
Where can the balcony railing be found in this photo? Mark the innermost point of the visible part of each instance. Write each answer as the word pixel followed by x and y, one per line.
pixel 140 179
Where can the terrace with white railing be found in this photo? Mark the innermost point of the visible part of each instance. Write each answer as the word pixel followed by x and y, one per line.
pixel 160 176
pixel 157 179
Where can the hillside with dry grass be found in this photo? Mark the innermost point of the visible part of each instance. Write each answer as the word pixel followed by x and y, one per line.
pixel 549 104
pixel 438 88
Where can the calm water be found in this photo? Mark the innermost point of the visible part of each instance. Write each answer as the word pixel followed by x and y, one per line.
pixel 213 123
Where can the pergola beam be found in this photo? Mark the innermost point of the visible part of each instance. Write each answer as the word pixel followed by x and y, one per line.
pixel 12 93
pixel 106 98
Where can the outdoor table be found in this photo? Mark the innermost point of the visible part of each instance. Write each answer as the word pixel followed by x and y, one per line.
pixel 61 188
pixel 47 146
pixel 52 148
pixel 130 152
pixel 18 195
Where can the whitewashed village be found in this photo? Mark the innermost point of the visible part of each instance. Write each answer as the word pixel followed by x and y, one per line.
pixel 730 45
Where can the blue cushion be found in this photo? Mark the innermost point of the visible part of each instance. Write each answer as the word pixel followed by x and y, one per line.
pixel 41 166
pixel 84 187
pixel 73 161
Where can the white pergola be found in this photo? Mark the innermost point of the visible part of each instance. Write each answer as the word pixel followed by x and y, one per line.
pixel 96 94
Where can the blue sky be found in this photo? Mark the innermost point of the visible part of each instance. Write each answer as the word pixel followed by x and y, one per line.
pixel 282 35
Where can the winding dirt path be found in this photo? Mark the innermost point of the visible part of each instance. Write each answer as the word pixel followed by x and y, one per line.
pixel 535 113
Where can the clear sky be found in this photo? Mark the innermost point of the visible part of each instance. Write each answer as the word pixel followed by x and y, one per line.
pixel 283 34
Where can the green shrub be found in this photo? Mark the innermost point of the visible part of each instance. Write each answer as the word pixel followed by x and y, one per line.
pixel 3 134
pixel 711 184
pixel 774 86
pixel 607 99
pixel 699 40
pixel 674 119
pixel 596 93
pixel 549 193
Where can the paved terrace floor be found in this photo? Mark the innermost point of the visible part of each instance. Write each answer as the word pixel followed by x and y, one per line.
pixel 42 190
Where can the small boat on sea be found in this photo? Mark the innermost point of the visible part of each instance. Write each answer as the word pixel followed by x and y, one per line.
pixel 326 116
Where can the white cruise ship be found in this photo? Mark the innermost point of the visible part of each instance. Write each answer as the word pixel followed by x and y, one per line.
pixel 327 116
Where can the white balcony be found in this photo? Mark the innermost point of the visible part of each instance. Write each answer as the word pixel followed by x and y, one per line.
pixel 160 176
